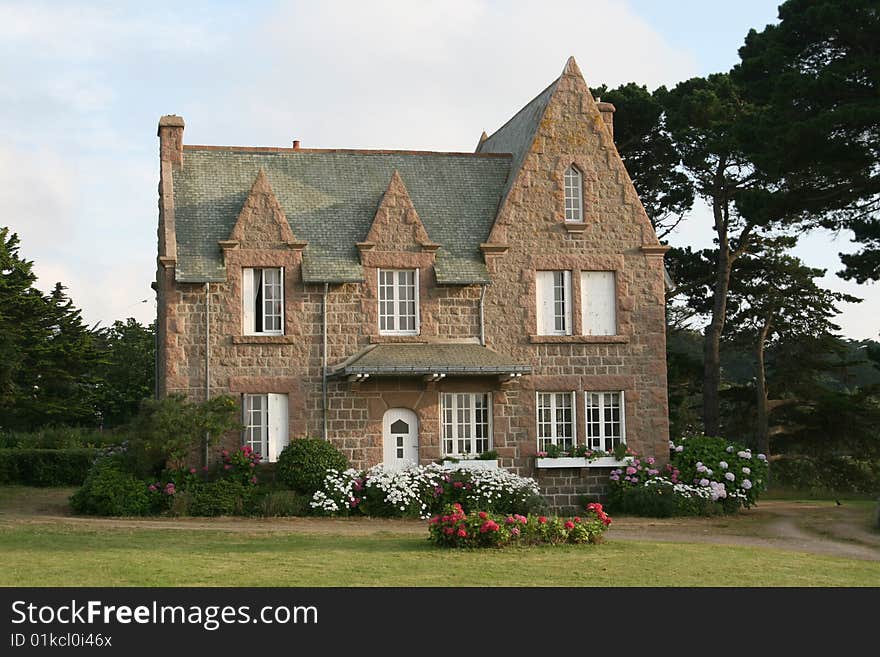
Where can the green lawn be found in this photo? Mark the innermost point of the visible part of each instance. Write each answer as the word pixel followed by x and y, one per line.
pixel 66 555
pixel 42 548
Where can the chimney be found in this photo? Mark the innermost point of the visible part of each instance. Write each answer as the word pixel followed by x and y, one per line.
pixel 171 139
pixel 607 112
pixel 296 144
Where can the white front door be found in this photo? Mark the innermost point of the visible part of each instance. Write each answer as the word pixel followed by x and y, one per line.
pixel 400 433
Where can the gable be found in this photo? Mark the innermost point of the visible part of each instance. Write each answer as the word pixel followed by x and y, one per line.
pixel 261 222
pixel 396 226
pixel 563 126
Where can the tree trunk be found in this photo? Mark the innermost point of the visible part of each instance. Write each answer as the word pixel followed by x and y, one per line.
pixel 712 337
pixel 761 392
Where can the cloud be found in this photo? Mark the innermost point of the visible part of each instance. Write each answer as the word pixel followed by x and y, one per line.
pixel 85 30
pixel 38 194
pixel 420 74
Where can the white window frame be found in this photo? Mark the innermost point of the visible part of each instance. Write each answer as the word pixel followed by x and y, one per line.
pixel 599 311
pixel 396 301
pixel 553 309
pixel 555 438
pixel 574 195
pixel 265 428
pixel 248 300
pixel 603 440
pixel 451 421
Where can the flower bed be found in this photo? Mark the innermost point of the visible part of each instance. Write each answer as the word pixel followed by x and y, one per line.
pixel 705 475
pixel 455 528
pixel 419 491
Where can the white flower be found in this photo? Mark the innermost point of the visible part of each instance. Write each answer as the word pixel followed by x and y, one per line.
pixel 761 457
pixel 746 484
pixel 679 448
pixel 709 472
pixel 729 476
pixel 704 482
pixel 730 449
pixel 722 465
pixel 744 455
pixel 671 445
pixel 747 471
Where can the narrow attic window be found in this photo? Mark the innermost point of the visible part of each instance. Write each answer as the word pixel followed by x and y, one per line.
pixel 574 185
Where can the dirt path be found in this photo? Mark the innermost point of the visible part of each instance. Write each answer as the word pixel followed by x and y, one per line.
pixel 816 527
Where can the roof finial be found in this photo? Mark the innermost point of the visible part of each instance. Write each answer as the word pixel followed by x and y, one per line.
pixel 483 137
pixel 571 68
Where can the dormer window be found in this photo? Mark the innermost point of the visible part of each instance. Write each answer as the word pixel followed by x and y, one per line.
pixel 398 301
pixel 574 202
pixel 263 301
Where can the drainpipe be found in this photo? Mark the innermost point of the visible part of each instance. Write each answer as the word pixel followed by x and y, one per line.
pixel 207 357
pixel 482 315
pixel 324 360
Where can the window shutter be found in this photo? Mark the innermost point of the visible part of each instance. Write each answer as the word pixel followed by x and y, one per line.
pixel 568 302
pixel 247 301
pixel 544 300
pixel 278 437
pixel 599 302
pixel 418 319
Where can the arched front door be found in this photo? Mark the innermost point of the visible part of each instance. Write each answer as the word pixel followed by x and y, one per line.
pixel 400 434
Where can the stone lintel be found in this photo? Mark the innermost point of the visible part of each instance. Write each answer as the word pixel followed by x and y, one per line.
pixel 494 248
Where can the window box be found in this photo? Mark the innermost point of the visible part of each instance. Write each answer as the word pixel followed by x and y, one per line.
pixel 471 464
pixel 581 462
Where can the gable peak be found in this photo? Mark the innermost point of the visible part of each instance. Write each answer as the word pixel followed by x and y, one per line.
pixel 571 68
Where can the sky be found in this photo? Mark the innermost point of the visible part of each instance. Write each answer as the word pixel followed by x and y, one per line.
pixel 83 84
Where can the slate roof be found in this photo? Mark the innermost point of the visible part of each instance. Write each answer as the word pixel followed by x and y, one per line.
pixel 419 359
pixel 517 134
pixel 330 199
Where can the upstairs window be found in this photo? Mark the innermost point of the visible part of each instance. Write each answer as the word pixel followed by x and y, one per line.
pixel 574 185
pixel 553 296
pixel 263 301
pixel 265 424
pixel 399 301
pixel 599 303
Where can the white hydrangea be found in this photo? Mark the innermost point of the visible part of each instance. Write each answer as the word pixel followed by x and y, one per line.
pixel 408 488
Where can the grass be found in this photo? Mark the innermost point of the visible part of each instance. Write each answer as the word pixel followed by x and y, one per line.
pixel 62 555
pixel 39 551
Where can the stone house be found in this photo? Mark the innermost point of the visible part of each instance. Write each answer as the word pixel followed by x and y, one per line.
pixel 412 305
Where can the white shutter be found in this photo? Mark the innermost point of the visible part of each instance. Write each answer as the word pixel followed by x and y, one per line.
pixel 568 302
pixel 544 300
pixel 248 295
pixel 278 437
pixel 418 318
pixel 599 303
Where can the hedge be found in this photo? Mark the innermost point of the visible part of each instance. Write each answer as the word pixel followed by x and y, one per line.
pixel 45 467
